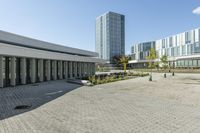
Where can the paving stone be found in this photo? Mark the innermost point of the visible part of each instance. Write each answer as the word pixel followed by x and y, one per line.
pixel 129 106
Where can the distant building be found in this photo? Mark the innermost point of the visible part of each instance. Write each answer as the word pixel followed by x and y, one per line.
pixel 183 50
pixel 110 36
pixel 140 51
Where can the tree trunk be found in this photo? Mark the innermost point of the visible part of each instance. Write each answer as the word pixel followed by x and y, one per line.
pixel 124 67
pixel 150 78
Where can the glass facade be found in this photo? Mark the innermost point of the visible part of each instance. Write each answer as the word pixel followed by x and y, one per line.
pixel 183 48
pixel 182 44
pixel 141 50
pixel 110 35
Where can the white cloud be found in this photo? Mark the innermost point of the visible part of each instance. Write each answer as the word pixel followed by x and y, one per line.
pixel 196 10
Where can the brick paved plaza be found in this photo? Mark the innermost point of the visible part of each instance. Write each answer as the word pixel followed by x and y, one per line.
pixel 131 106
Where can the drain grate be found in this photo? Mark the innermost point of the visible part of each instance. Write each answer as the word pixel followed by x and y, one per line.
pixel 23 107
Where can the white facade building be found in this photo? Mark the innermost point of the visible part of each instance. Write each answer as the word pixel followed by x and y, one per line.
pixel 183 50
pixel 24 60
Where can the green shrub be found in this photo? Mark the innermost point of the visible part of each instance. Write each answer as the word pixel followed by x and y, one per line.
pixel 98 81
pixel 103 81
pixel 126 78
pixel 85 78
pixel 120 77
pixel 138 74
pixel 130 74
pixel 107 79
pixel 92 79
pixel 112 78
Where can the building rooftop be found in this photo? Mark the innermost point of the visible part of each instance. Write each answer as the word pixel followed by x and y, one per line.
pixel 109 12
pixel 18 40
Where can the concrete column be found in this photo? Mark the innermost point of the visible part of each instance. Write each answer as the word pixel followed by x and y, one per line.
pixel 87 68
pixel 48 70
pixel 94 69
pixel 66 70
pixel 1 71
pixel 60 70
pixel 41 71
pixel 75 69
pixel 13 71
pixel 90 68
pixel 55 70
pixel 33 73
pixel 82 69
pixel 70 70
pixel 80 73
pixel 23 70
pixel 78 69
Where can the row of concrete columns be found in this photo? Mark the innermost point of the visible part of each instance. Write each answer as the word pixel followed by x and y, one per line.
pixel 80 70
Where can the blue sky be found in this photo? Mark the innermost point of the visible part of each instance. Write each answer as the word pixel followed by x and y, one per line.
pixel 72 22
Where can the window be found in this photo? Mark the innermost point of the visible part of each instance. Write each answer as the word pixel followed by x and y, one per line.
pixel 172 51
pixel 197 48
pixel 183 50
pixel 163 43
pixel 178 51
pixel 170 42
pixel 190 63
pixel 195 63
pixel 189 50
pixel 188 37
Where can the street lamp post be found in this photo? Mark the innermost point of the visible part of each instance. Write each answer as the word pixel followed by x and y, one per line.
pixel 173 67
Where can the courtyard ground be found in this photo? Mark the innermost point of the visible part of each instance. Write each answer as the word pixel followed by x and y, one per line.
pixel 129 106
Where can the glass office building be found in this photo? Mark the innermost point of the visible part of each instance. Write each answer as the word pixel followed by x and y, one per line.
pixel 110 35
pixel 139 53
pixel 183 50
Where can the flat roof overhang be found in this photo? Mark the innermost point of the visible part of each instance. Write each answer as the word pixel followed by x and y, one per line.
pixel 140 61
pixel 18 40
pixel 196 56
pixel 18 51
pixel 187 57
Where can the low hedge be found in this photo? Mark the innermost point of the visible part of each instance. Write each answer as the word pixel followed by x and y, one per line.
pixel 138 74
pixel 95 79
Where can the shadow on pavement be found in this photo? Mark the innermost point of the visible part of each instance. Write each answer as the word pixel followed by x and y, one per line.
pixel 33 95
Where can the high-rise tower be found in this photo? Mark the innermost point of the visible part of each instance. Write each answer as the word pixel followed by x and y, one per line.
pixel 110 35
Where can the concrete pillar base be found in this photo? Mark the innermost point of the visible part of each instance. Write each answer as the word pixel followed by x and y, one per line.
pixel 13 71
